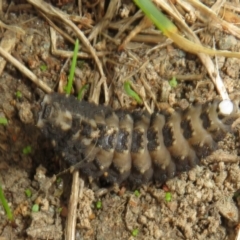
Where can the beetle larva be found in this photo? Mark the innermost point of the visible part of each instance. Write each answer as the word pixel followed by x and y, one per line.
pixel 135 146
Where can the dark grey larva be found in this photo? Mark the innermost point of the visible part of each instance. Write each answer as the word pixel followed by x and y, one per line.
pixel 134 146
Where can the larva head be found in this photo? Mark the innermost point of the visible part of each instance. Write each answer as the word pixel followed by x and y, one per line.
pixel 53 114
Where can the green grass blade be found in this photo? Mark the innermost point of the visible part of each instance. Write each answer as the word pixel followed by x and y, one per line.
pixel 81 91
pixel 158 18
pixel 3 121
pixel 4 202
pixel 72 69
pixel 131 93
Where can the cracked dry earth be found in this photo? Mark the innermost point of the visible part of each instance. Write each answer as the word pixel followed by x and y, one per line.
pixel 202 203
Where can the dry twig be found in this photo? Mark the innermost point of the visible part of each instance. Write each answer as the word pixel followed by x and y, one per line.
pixel 68 54
pixel 212 17
pixel 25 71
pixel 72 208
pixel 112 8
pixel 142 25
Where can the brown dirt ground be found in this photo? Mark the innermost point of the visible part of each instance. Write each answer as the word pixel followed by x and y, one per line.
pixel 202 204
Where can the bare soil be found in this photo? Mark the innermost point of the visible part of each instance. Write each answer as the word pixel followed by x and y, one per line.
pixel 202 204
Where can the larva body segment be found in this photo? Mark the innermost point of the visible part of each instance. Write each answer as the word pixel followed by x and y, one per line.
pixel 120 168
pixel 164 167
pixel 197 136
pixel 136 146
pixel 211 121
pixel 142 170
pixel 179 148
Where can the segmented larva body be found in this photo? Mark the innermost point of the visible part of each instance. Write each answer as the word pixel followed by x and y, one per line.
pixel 134 146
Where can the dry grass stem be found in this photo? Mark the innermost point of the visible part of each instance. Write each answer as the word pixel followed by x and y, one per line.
pixel 59 30
pixel 167 42
pixel 143 66
pixel 112 8
pixel 148 38
pixel 143 24
pixel 190 77
pixel 68 54
pixel 19 7
pixel 72 208
pixel 216 7
pixel 149 91
pixel 232 6
pixel 86 22
pixel 80 8
pixel 95 89
pixel 8 43
pixel 12 28
pixel 25 71
pixel 213 19
pixel 127 22
pixel 229 16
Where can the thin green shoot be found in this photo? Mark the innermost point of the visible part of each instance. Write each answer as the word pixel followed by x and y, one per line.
pixel 18 94
pixel 135 232
pixel 28 192
pixel 131 93
pixel 27 150
pixel 6 207
pixel 99 204
pixel 82 90
pixel 173 82
pixel 35 208
pixel 168 197
pixel 137 193
pixel 158 18
pixel 43 67
pixel 72 69
pixel 3 121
